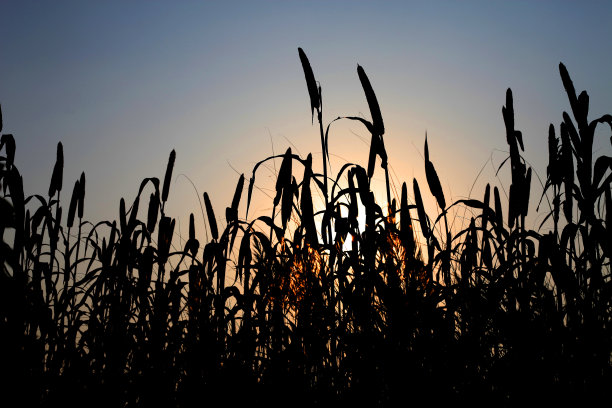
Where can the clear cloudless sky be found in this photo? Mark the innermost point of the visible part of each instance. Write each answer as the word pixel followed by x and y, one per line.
pixel 122 83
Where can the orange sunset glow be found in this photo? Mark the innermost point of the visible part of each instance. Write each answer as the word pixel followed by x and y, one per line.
pixel 319 204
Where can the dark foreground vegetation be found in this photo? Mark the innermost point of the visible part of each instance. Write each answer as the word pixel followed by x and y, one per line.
pixel 305 307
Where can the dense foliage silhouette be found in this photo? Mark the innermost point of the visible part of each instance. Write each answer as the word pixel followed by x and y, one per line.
pixel 306 306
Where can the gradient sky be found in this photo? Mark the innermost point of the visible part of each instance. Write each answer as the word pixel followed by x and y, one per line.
pixel 122 83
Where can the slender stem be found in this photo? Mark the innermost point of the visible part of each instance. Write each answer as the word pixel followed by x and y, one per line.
pixel 388 189
pixel 447 280
pixel 326 228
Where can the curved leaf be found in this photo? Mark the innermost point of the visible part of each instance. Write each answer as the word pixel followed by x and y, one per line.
pixel 212 222
pixel 377 123
pixel 73 204
pixel 313 91
pixel 432 179
pixel 423 220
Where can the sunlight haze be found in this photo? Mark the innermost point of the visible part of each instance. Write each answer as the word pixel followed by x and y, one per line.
pixel 121 84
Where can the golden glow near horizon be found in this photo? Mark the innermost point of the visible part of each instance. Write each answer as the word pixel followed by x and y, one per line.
pixel 121 86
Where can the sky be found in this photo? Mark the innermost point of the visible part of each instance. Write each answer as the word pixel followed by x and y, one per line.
pixel 122 83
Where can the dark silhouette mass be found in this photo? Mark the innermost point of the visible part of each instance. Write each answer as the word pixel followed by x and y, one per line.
pixel 305 306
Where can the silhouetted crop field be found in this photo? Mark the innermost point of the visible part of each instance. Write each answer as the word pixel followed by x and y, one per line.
pixel 306 306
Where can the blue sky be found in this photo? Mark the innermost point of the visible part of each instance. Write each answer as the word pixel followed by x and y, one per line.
pixel 121 84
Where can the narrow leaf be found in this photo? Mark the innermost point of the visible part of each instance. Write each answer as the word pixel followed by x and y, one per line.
pixel 377 122
pixel 423 220
pixel 432 179
pixel 602 164
pixel 237 195
pixel 313 91
pixel 211 217
pixel 249 194
pixel 73 204
pixel 82 195
pixel 58 170
pixel 498 210
pixel 168 176
pixel 153 210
